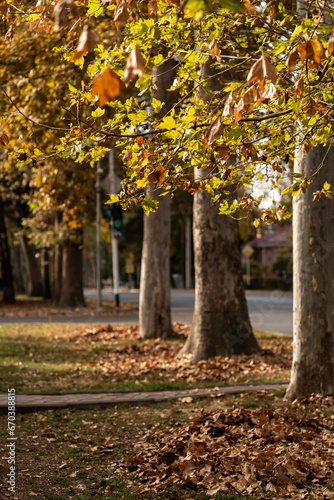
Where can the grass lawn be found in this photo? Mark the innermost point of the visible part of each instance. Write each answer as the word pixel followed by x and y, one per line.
pixel 66 357
pixel 251 446
pixel 131 452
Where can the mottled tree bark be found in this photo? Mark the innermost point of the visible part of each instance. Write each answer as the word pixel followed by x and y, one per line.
pixel 313 280
pixel 154 304
pixel 221 324
pixel 154 300
pixel 6 267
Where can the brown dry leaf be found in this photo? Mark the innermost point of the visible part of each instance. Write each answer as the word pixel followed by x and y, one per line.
pixel 40 5
pixel 274 10
pixel 262 68
pixel 9 34
pixel 269 93
pixel 299 87
pixel 153 8
pixel 312 52
pixel 215 131
pixel 4 141
pixel 292 59
pixel 158 175
pixel 3 10
pixel 237 115
pixel 142 155
pixel 214 50
pixel 121 14
pixel 245 103
pixel 228 106
pixel 249 7
pixel 135 65
pixel 87 41
pixel 330 44
pixel 311 108
pixel 186 155
pixel 107 86
pixel 60 14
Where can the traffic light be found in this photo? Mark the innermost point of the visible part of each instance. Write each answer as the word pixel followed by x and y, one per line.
pixel 117 216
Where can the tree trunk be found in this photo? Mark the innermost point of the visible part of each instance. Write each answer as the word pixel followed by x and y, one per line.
pixel 154 303
pixel 6 267
pixel 154 300
pixel 46 274
pixel 72 276
pixel 34 280
pixel 221 324
pixel 19 269
pixel 57 262
pixel 313 281
pixel 57 273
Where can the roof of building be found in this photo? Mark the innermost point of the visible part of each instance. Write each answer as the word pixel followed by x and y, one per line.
pixel 278 238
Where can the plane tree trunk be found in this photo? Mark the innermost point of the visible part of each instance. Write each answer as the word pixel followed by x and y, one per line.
pixel 154 304
pixel 313 280
pixel 154 300
pixel 221 324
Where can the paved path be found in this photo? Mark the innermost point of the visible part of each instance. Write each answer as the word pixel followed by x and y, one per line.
pixel 25 403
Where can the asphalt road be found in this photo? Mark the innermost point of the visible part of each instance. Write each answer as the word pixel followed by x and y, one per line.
pixel 271 311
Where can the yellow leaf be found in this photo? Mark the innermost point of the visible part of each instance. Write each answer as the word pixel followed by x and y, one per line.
pixel 107 86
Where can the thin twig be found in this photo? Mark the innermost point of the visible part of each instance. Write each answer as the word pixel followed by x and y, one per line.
pixel 30 119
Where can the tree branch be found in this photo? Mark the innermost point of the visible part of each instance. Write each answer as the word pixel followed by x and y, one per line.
pixel 30 119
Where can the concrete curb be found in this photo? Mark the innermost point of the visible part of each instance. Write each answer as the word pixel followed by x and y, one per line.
pixel 25 403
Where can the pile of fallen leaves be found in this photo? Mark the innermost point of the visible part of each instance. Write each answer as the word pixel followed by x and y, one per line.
pixel 243 451
pixel 160 357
